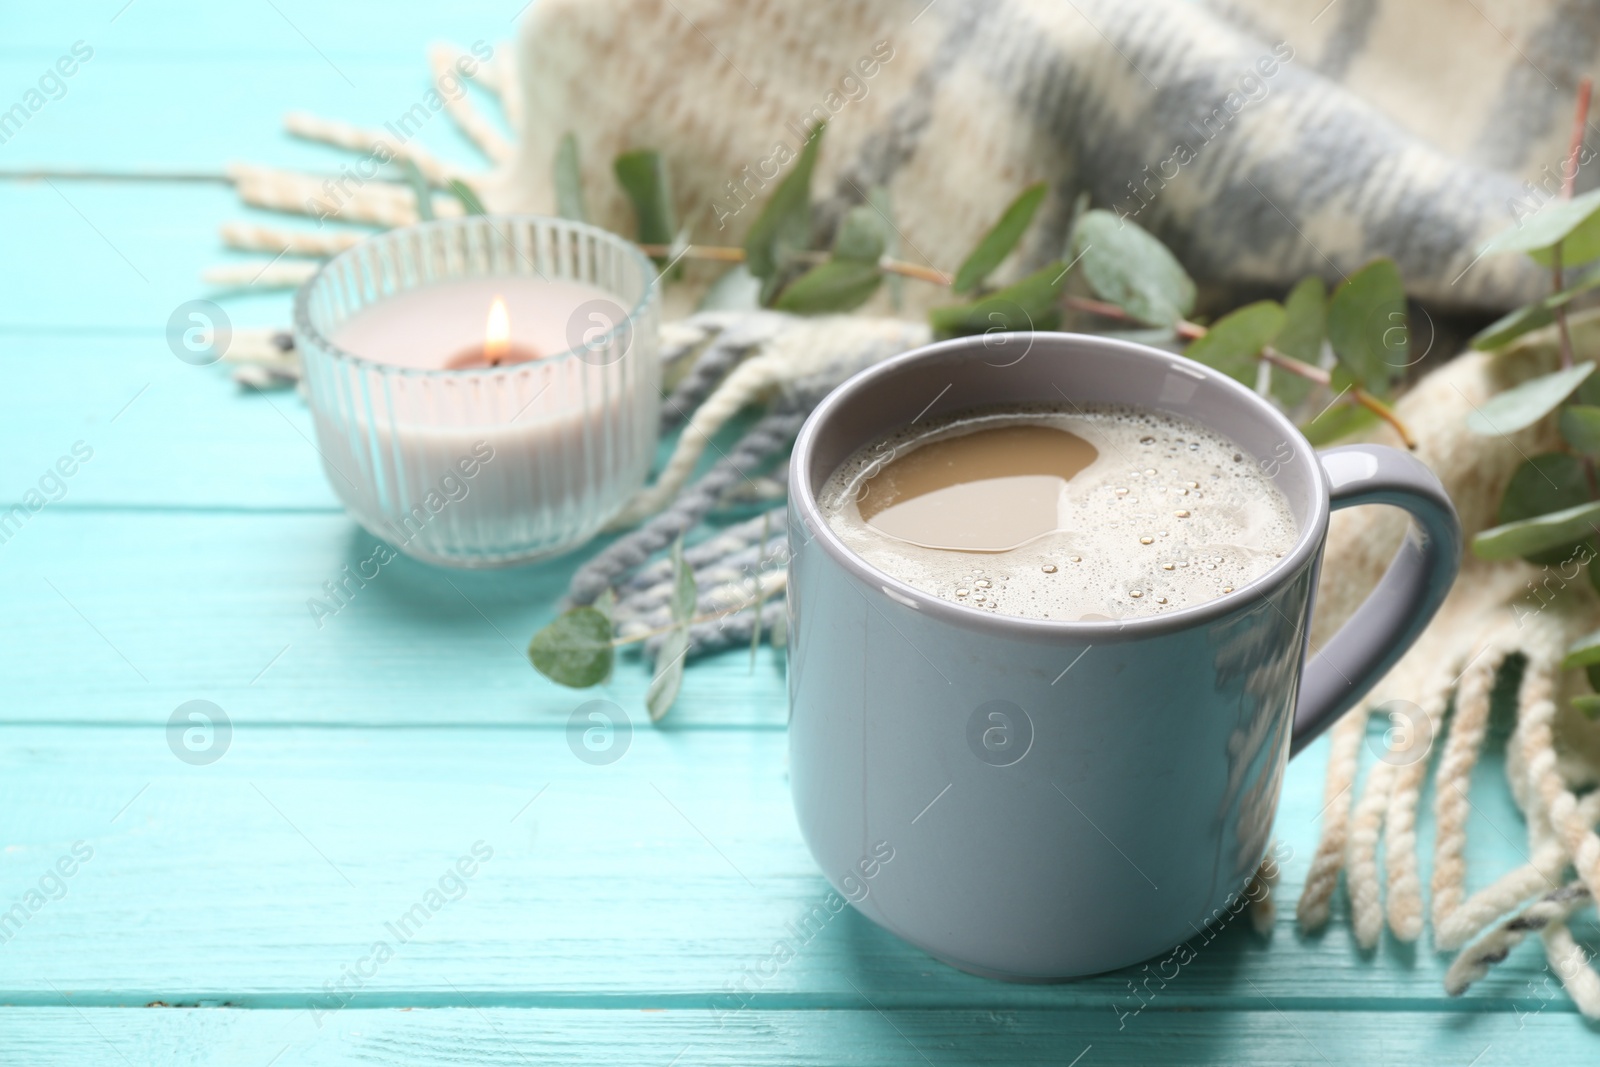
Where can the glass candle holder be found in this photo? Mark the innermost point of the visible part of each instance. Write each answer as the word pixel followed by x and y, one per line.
pixel 482 462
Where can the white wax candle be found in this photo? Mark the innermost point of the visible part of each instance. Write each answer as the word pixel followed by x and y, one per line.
pixel 487 458
pixel 430 326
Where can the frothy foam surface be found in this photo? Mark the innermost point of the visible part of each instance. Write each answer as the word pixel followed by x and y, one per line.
pixel 1167 515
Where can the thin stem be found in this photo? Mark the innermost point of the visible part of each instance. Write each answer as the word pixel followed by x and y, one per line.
pixel 729 254
pixel 1192 330
pixel 1580 122
pixel 779 582
pixel 1569 179
pixel 1561 309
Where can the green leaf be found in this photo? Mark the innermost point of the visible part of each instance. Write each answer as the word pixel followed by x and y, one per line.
pixel 1589 391
pixel 1522 406
pixel 1234 341
pixel 761 590
pixel 1535 535
pixel 784 225
pixel 780 633
pixel 1509 327
pixel 1002 237
pixel 575 650
pixel 1029 304
pixel 736 289
pixel 861 237
pixel 643 176
pixel 663 689
pixel 1127 267
pixel 1580 428
pixel 1338 422
pixel 569 181
pixel 1593 674
pixel 1589 704
pixel 419 187
pixel 1575 224
pixel 878 199
pixel 1305 325
pixel 837 285
pixel 1367 326
pixel 469 199
pixel 1550 482
pixel 685 594
pixel 1584 652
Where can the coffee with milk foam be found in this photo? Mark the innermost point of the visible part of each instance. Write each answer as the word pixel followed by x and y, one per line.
pixel 1093 513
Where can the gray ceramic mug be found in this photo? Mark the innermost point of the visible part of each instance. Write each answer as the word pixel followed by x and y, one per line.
pixel 1041 799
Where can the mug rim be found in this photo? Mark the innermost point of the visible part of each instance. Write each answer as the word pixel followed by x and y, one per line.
pixel 1308 541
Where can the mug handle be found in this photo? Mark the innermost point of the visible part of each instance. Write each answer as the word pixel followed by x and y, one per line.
pixel 1411 590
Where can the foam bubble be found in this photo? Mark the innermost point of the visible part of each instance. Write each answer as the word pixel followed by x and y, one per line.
pixel 1167 516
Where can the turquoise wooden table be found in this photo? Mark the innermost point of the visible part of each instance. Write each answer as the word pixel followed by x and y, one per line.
pixel 263 908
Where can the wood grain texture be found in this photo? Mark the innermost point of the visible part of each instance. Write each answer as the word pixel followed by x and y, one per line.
pixel 627 911
pixel 663 880
pixel 854 1037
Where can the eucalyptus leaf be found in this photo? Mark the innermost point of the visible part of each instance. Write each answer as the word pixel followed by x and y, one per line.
pixel 470 203
pixel 1511 326
pixel 1127 267
pixel 861 237
pixel 643 177
pixel 1029 304
pixel 1588 704
pixel 569 181
pixel 1234 341
pixel 837 285
pixel 1367 326
pixel 1305 326
pixel 575 650
pixel 1552 481
pixel 1522 406
pixel 685 594
pixel 736 289
pixel 784 225
pixel 663 689
pixel 1338 422
pixel 761 590
pixel 1574 223
pixel 1535 535
pixel 1584 652
pixel 879 200
pixel 1002 237
pixel 1589 391
pixel 1580 428
pixel 419 187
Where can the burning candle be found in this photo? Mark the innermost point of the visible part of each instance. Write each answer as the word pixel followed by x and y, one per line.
pixel 485 390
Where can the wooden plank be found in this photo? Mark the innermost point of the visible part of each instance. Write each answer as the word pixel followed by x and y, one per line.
pixel 122 111
pixel 158 432
pixel 857 1036
pixel 191 31
pixel 122 615
pixel 117 258
pixel 663 880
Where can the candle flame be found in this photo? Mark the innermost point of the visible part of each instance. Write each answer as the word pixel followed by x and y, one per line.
pixel 497 333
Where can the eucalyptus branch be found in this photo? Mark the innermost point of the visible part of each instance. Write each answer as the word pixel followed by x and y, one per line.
pixel 732 254
pixel 767 589
pixel 1193 330
pixel 1580 121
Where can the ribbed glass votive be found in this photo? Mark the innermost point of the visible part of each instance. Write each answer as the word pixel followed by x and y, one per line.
pixel 489 465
